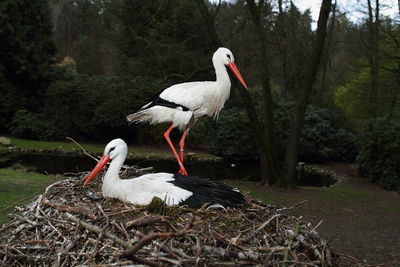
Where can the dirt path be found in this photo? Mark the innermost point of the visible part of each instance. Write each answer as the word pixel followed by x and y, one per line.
pixel 359 218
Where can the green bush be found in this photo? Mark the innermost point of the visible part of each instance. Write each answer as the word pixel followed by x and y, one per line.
pixel 232 136
pixel 345 144
pixel 379 153
pixel 95 107
pixel 33 126
pixel 321 138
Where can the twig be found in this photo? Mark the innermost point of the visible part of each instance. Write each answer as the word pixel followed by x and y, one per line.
pixel 78 209
pixel 265 223
pixel 147 239
pixel 84 151
pixel 145 261
pixel 145 221
pixel 97 230
pixel 292 207
pixel 320 222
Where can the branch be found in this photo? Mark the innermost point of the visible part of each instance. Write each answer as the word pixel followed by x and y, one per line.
pixel 128 253
pixel 78 209
pixel 84 151
pixel 97 230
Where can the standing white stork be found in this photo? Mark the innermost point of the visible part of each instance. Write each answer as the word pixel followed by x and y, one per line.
pixel 173 189
pixel 182 104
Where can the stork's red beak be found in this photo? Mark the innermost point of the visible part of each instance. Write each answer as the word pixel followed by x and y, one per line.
pixel 236 72
pixel 102 162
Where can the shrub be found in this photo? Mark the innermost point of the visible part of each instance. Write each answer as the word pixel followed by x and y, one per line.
pixel 33 126
pixel 95 107
pixel 317 135
pixel 345 144
pixel 232 136
pixel 379 153
pixel 321 138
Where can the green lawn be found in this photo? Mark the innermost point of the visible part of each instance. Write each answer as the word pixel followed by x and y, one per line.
pixel 19 187
pixel 65 146
pixel 68 146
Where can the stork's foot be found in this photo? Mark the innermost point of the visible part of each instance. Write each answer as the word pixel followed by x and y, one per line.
pixel 182 171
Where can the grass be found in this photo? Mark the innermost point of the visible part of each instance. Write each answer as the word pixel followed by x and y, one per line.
pixel 68 146
pixel 339 197
pixel 18 187
pixel 50 145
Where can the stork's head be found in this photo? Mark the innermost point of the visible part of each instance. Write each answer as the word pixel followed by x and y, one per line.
pixel 224 55
pixel 115 148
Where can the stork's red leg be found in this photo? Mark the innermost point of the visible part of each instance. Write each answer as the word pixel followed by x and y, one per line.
pixel 182 170
pixel 182 143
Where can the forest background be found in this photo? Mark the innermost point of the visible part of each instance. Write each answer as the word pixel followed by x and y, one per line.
pixel 78 67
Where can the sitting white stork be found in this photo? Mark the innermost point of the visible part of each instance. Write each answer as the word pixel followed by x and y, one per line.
pixel 173 189
pixel 182 104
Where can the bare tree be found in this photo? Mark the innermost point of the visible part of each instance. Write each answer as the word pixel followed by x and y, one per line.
pixel 373 25
pixel 56 8
pixel 264 136
pixel 291 158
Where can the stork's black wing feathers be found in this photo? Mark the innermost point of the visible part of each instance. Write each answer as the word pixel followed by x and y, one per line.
pixel 158 101
pixel 206 191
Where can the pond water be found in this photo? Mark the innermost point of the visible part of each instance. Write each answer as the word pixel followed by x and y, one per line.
pixel 60 164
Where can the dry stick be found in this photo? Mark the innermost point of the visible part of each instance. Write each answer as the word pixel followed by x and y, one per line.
pixel 121 225
pixel 78 209
pixel 316 226
pixel 145 220
pixel 224 239
pixel 230 253
pixel 289 246
pixel 145 261
pixel 70 245
pixel 125 211
pixel 147 239
pixel 262 226
pixel 104 214
pixel 95 249
pixel 292 207
pixel 84 151
pixel 97 230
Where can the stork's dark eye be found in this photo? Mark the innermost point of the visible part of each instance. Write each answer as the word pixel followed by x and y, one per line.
pixel 111 149
pixel 229 56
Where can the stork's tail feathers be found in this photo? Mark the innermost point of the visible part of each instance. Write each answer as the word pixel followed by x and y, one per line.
pixel 135 117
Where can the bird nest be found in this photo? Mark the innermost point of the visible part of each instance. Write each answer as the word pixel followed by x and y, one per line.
pixel 72 225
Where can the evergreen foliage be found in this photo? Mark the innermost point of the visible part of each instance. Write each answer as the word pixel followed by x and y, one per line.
pixel 165 39
pixel 33 126
pixel 26 49
pixel 321 138
pixel 232 137
pixel 95 107
pixel 379 153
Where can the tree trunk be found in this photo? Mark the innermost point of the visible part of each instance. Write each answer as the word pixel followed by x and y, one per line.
pixel 269 124
pixel 248 103
pixel 373 57
pixel 290 163
pixel 209 20
pixel 328 47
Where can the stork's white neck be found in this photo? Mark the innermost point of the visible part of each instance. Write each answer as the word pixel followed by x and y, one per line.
pixel 222 77
pixel 111 183
pixel 221 91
